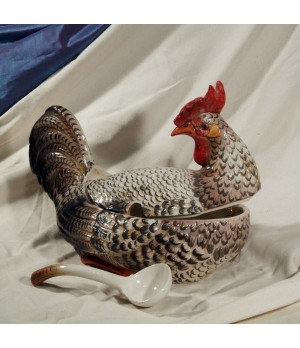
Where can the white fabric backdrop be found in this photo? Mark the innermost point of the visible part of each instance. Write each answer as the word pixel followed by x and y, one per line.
pixel 125 89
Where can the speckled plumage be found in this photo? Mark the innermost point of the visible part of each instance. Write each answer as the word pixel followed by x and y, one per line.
pixel 99 217
pixel 230 176
pixel 159 192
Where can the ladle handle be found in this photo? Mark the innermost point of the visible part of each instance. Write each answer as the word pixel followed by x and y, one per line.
pixel 41 275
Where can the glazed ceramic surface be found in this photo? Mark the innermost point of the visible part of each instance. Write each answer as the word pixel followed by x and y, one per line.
pixel 188 219
pixel 144 288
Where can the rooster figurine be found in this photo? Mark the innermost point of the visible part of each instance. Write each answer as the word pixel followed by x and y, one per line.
pixel 189 219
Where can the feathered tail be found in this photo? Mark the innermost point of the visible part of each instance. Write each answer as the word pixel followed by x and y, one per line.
pixel 59 155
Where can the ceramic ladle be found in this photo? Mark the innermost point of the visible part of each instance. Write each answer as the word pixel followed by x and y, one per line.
pixel 143 289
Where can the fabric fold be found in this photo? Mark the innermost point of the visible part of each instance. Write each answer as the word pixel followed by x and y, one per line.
pixel 31 53
pixel 125 89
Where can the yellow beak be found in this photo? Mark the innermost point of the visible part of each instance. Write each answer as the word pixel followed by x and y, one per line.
pixel 214 130
pixel 185 129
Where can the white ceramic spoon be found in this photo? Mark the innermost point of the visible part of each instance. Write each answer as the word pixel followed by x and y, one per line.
pixel 144 288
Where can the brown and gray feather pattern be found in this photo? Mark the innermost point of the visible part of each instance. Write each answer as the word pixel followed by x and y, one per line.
pixel 59 156
pixel 231 176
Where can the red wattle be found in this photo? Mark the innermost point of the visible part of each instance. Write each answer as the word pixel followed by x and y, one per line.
pixel 202 151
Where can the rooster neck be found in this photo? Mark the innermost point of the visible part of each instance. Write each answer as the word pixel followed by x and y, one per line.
pixel 230 174
pixel 224 152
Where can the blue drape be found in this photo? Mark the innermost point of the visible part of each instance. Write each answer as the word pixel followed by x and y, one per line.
pixel 31 53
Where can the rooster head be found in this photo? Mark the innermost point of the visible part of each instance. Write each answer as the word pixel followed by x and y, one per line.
pixel 195 120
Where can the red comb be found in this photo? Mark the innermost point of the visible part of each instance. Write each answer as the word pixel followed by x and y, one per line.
pixel 213 101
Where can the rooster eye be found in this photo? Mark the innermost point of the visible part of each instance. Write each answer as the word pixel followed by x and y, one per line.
pixel 204 127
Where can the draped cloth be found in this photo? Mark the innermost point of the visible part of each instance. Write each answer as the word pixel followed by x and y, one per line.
pixel 126 88
pixel 31 53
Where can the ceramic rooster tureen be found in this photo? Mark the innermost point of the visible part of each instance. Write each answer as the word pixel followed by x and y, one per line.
pixel 191 220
